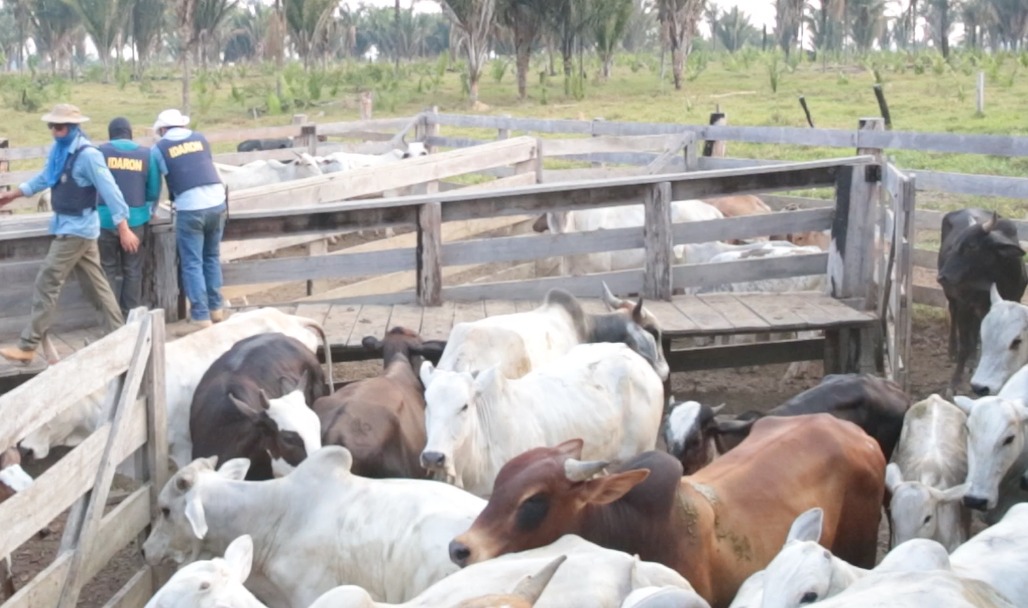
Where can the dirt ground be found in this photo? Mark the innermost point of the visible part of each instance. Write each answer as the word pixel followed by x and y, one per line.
pixel 759 387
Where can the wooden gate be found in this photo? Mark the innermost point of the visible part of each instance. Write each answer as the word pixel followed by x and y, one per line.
pixel 895 233
pixel 124 370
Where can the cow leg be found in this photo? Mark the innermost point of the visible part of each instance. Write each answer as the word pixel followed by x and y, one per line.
pixel 952 352
pixel 6 578
pixel 966 344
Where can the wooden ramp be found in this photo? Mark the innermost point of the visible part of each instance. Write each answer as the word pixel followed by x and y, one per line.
pixel 842 345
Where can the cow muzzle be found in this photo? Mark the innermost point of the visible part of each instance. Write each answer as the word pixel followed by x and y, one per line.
pixel 976 502
pixel 433 460
pixel 980 389
pixel 459 553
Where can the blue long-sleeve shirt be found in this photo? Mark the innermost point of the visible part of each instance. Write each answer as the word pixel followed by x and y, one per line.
pixel 90 169
pixel 137 215
pixel 200 197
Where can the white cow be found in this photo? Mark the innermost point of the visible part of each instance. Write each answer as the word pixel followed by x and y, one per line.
pixel 265 172
pixel 186 361
pixel 604 394
pixel 346 161
pixel 592 577
pixel 805 572
pixel 1004 344
pixel 918 590
pixel 621 216
pixel 318 527
pixel 13 479
pixel 214 583
pixel 926 475
pixel 997 447
pixel 770 249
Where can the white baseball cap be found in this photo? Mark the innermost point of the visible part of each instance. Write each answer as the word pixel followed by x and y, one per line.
pixel 170 118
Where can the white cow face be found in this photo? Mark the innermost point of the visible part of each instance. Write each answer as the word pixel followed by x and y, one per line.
pixel 801 573
pixel 291 413
pixel 415 149
pixel 915 506
pixel 181 524
pixel 1004 335
pixel 995 440
pixel 451 401
pixel 215 583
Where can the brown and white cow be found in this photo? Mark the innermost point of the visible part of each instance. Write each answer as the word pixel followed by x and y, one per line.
pixel 381 420
pixel 715 527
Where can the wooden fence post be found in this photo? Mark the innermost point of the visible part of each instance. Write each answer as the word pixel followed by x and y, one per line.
pixel 430 255
pixel 156 452
pixel 503 132
pixel 592 130
pixel 160 275
pixel 309 138
pixel 980 96
pixel 658 241
pixel 713 147
pixel 874 255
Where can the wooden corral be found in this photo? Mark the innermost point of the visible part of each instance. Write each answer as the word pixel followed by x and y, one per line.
pixel 130 360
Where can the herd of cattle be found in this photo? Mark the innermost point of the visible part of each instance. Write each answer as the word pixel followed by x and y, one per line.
pixel 536 459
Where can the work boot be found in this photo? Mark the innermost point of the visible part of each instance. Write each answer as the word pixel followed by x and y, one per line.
pixel 184 328
pixel 15 353
pixel 217 316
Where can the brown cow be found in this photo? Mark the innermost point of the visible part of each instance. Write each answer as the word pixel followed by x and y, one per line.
pixel 381 420
pixel 715 527
pixel 738 205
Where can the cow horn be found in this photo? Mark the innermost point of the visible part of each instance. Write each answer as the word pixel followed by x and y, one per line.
pixel 263 400
pixel 582 470
pixel 531 587
pixel 613 302
pixel 990 224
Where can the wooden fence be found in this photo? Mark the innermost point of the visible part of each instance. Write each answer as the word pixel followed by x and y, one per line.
pixel 129 363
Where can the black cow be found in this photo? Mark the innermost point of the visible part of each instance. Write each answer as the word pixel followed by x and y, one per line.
pixel 979 248
pixel 253 402
pixel 872 403
pixel 257 145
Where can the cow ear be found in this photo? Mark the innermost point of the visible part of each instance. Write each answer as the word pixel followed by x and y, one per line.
pixel 994 297
pixel 263 400
pixel 371 343
pixel 195 516
pixel 426 373
pixel 487 379
pixel 235 469
pixel 572 448
pixel 243 407
pixel 1010 250
pixel 733 427
pixel 964 403
pixel 1022 409
pixel 807 526
pixel 952 494
pixel 239 557
pixel 432 349
pixel 893 476
pixel 607 489
pixel 637 312
pixel 717 409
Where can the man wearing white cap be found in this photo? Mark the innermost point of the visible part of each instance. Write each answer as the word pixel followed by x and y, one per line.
pixel 184 158
pixel 76 173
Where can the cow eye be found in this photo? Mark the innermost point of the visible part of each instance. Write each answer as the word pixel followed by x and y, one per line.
pixel 1008 440
pixel 165 512
pixel 1016 344
pixel 532 512
pixel 808 598
pixel 465 408
pixel 927 518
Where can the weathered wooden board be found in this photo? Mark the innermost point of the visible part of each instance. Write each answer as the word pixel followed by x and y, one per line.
pixel 437 321
pixel 499 307
pixel 407 316
pixel 464 312
pixel 737 313
pixel 372 321
pixel 706 318
pixel 314 311
pixel 670 316
pixel 339 322
pixel 776 310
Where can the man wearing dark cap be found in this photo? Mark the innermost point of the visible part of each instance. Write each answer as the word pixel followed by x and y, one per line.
pixel 140 183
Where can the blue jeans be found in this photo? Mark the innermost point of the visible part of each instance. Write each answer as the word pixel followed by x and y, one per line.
pixel 198 236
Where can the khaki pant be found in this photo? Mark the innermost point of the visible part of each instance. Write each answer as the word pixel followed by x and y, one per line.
pixel 68 253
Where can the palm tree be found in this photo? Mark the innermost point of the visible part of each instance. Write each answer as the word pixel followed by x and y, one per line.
pixel 867 22
pixel 103 20
pixel 825 21
pixel 609 22
pixel 185 13
pixel 307 21
pixel 55 23
pixel 788 15
pixel 147 21
pixel 1010 20
pixel 525 19
pixel 473 19
pixel 734 30
pixel 679 18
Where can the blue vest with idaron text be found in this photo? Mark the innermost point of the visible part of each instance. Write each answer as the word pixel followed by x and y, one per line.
pixel 190 164
pixel 67 196
pixel 130 169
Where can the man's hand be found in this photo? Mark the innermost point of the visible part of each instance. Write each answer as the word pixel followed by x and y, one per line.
pixel 9 196
pixel 129 241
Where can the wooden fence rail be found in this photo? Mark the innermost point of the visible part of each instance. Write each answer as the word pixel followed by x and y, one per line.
pixel 128 367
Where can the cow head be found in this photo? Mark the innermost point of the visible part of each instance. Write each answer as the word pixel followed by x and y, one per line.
pixel 538 497
pixel 642 333
pixel 215 583
pixel 689 432
pixel 801 573
pixel 1004 336
pixel 915 507
pixel 414 149
pixel 995 442
pixel 181 525
pixel 285 428
pixel 400 342
pixel 452 402
pixel 976 251
pixel 13 478
pixel 70 426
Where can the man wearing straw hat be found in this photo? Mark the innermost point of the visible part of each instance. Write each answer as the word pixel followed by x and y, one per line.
pixel 75 172
pixel 184 158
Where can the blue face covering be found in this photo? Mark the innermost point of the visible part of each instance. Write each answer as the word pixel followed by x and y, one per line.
pixel 59 155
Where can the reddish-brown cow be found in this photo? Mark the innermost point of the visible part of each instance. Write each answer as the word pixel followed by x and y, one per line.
pixel 381 420
pixel 715 527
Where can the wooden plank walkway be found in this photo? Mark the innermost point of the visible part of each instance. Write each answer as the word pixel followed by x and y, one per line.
pixel 684 317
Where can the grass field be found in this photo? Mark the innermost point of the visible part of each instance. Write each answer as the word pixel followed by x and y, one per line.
pixel 924 92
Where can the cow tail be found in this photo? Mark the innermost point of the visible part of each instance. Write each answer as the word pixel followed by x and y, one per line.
pixel 314 325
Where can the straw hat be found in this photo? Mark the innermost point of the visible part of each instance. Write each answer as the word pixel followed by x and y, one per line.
pixel 170 118
pixel 63 114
